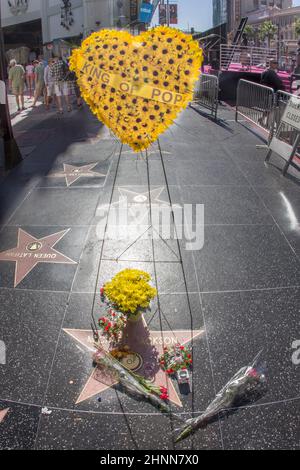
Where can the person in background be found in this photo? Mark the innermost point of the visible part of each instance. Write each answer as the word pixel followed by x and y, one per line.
pixel 244 42
pixel 16 79
pixel 30 78
pixel 49 83
pixel 39 81
pixel 75 88
pixel 296 79
pixel 59 75
pixel 68 86
pixel 270 77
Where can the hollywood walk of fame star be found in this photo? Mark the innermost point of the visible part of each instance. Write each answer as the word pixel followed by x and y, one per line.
pixel 147 347
pixel 138 204
pixel 72 173
pixel 132 197
pixel 3 414
pixel 31 251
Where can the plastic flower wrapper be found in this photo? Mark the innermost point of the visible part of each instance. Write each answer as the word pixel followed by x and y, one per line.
pixel 248 385
pixel 132 383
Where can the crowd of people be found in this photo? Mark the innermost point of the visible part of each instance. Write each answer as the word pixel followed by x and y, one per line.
pixel 51 81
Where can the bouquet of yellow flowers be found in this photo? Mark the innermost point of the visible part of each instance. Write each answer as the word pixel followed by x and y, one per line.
pixel 129 291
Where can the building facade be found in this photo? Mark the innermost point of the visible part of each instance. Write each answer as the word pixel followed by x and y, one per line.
pixel 27 22
pixel 280 12
pixel 248 6
pixel 284 20
pixel 237 9
pixel 220 14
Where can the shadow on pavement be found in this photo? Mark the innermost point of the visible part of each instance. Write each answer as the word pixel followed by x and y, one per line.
pixel 45 139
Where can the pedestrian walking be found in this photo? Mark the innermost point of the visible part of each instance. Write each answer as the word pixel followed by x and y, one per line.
pixel 17 82
pixel 271 79
pixel 49 83
pixel 39 81
pixel 30 78
pixel 59 71
pixel 70 78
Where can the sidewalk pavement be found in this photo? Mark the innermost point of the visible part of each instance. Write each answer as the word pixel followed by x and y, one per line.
pixel 22 122
pixel 239 293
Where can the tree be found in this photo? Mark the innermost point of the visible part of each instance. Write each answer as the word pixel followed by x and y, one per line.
pixel 267 30
pixel 250 31
pixel 297 26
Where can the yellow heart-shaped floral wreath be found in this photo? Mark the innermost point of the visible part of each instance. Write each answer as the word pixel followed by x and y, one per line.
pixel 137 85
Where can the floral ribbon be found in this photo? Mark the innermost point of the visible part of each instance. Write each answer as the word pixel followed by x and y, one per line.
pixel 133 88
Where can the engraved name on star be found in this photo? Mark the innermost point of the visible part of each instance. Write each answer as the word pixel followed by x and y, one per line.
pixel 72 173
pixel 31 251
pixel 147 347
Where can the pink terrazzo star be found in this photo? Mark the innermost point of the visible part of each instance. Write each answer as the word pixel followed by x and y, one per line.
pixel 147 344
pixel 31 251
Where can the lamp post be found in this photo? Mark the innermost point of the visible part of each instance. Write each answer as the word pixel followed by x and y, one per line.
pixel 168 12
pixel 12 155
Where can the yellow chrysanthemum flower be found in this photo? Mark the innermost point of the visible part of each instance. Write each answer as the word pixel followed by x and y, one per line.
pixel 130 290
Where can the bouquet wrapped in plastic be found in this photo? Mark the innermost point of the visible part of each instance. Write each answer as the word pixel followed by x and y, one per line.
pixel 248 385
pixel 133 384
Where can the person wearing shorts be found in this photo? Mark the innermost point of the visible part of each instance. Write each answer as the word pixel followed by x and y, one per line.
pixel 17 82
pixel 61 87
pixel 30 78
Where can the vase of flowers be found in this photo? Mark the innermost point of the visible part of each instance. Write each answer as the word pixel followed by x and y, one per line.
pixel 136 316
pixel 129 294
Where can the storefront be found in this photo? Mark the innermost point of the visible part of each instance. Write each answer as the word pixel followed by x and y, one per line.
pixel 27 34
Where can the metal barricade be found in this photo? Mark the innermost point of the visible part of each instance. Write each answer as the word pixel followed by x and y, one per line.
pixel 256 103
pixel 233 56
pixel 206 93
pixel 282 98
pixel 287 133
pixel 265 108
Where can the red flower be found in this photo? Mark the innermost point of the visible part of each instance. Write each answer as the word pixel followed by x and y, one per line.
pixel 189 356
pixel 252 373
pixel 164 396
pixel 182 348
pixel 102 291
